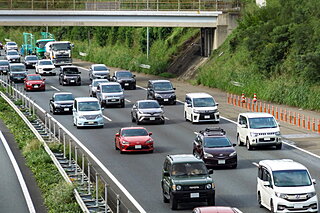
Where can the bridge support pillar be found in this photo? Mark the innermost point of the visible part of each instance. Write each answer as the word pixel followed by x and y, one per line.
pixel 206 41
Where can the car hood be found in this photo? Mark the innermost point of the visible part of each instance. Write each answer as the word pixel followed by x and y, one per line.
pixel 100 72
pixel 64 102
pixel 206 108
pixel 19 73
pixel 46 66
pixel 192 180
pixel 269 131
pixel 151 111
pixel 137 139
pixel 221 151
pixel 165 92
pixel 90 112
pixel 115 94
pixel 12 56
pixel 72 75
pixel 125 79
pixel 35 82
pixel 295 190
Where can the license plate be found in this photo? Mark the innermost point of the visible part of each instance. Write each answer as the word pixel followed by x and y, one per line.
pixel 221 161
pixel 126 84
pixel 35 86
pixel 207 116
pixel 166 99
pixel 90 122
pixel 113 100
pixel 267 139
pixel 66 109
pixel 152 118
pixel 137 146
pixel 194 195
pixel 297 206
pixel 72 81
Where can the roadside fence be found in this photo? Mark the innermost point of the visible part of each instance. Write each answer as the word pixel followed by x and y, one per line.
pixel 283 114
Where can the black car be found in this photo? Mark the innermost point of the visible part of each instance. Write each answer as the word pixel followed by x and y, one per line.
pixel 214 148
pixel 69 75
pixel 61 102
pixel 162 91
pixel 17 72
pixel 125 78
pixel 30 61
pixel 4 66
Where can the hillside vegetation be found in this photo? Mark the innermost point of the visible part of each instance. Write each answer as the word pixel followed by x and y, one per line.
pixel 275 52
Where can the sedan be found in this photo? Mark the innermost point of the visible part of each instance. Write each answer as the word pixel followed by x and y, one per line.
pixel 216 209
pixel 93 86
pixel 30 61
pixel 13 56
pixel 34 82
pixel 61 102
pixel 147 111
pixel 133 139
pixel 45 66
pixel 4 67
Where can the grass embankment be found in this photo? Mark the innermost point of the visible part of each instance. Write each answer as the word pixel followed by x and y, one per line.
pixel 57 194
pixel 275 52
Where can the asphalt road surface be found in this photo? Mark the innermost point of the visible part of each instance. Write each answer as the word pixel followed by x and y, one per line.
pixel 140 173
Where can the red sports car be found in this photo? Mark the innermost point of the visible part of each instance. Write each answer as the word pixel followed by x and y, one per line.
pixel 133 139
pixel 34 82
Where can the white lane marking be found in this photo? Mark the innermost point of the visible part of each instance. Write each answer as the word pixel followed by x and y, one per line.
pixel 54 88
pixel 19 174
pixel 166 118
pixel 181 102
pixel 127 100
pixel 84 68
pixel 141 87
pixel 255 164
pixel 195 133
pixel 105 117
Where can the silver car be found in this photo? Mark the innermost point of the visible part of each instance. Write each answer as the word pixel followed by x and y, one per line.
pixel 13 56
pixel 99 71
pixel 147 111
pixel 110 93
pixel 93 86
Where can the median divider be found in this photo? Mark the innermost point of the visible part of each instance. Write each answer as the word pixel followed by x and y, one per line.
pixel 97 190
pixel 281 114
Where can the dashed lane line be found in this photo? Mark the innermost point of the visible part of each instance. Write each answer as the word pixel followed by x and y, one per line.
pixel 127 100
pixel 54 88
pixel 105 117
pixel 166 118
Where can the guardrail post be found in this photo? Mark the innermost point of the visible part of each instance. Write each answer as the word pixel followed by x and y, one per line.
pixel 45 122
pixel 89 188
pixel 106 197
pixel 76 160
pixel 118 203
pixel 97 189
pixel 70 157
pixel 59 135
pixel 64 145
pixel 82 178
pixel 49 125
pixel 33 109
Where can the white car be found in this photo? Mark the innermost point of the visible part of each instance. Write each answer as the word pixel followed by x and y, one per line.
pixel 201 107
pixel 93 86
pixel 99 71
pixel 285 186
pixel 10 45
pixel 110 93
pixel 87 112
pixel 258 129
pixel 45 66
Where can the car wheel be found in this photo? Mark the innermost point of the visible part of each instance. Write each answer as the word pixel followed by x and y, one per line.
pixel 271 207
pixel 165 199
pixel 185 116
pixel 173 203
pixel 259 200
pixel 122 105
pixel 211 201
pixel 279 146
pixel 134 87
pixel 53 111
pixel 132 118
pixel 137 120
pixel 234 166
pixel 239 141
pixel 115 145
pixel 192 119
pixel 249 147
pixel 151 151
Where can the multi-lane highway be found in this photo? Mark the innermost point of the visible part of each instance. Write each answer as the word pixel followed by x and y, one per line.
pixel 140 173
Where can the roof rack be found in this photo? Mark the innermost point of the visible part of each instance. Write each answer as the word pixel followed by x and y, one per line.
pixel 213 131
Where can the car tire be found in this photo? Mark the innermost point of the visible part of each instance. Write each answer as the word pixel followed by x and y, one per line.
pixel 134 87
pixel 132 119
pixel 234 166
pixel 211 201
pixel 151 151
pixel 279 146
pixel 122 105
pixel 239 141
pixel 173 203
pixel 165 199
pixel 115 146
pixel 53 111
pixel 259 200
pixel 271 207
pixel 185 116
pixel 137 120
pixel 192 119
pixel 249 147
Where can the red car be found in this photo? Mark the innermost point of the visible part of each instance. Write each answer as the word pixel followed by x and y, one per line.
pixel 133 139
pixel 34 82
pixel 216 209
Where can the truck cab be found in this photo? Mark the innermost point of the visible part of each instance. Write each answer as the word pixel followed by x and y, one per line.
pixel 59 52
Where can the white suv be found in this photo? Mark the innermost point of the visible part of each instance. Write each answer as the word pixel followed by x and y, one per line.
pixel 286 186
pixel 201 107
pixel 258 129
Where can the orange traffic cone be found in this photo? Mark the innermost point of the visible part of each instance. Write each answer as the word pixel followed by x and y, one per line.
pixel 254 100
pixel 243 99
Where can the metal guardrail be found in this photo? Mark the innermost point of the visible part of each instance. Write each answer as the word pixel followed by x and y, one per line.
pixel 98 190
pixel 135 5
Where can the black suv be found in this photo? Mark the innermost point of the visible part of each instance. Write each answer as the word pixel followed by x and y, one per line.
pixel 214 148
pixel 125 78
pixel 69 75
pixel 162 91
pixel 185 178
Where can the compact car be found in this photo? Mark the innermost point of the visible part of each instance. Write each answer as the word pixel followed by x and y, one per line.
pixel 30 61
pixel 147 111
pixel 93 86
pixel 34 82
pixel 69 75
pixel 125 78
pixel 99 71
pixel 45 66
pixel 13 56
pixel 61 102
pixel 162 91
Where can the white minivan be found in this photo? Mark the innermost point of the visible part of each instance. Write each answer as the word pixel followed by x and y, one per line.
pixel 201 107
pixel 258 129
pixel 285 186
pixel 87 112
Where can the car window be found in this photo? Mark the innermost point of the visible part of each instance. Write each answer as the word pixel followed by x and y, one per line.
pixel 17 68
pixel 261 123
pixel 100 68
pixel 124 74
pixel 203 102
pixel 29 58
pixel 162 86
pixel 111 88
pixel 34 78
pixel 64 97
pixel 243 120
pixel 148 105
pixel 95 83
pixel 134 132
pixel 189 169
pixel 215 142
pixel 188 100
pixel 291 178
pixel 45 62
pixel 71 70
pixel 12 53
pixel 4 63
pixel 89 106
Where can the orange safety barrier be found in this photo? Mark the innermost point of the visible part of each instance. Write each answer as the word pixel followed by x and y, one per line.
pixel 272 111
pixel 228 98
pixel 260 106
pixel 252 106
pixel 277 114
pixel 285 116
pixel 264 107
pixel 303 122
pixel 239 101
pixel 298 119
pixel 234 101
pixel 318 126
pixel 281 115
pixel 314 125
pixel 269 108
pixel 295 119
pixel 308 123
pixel 257 108
pixel 290 121
pixel 254 100
pixel 248 104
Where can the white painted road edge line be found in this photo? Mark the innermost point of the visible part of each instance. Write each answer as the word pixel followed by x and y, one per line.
pixel 54 88
pixel 106 118
pixel 127 100
pixel 141 87
pixel 166 118
pixel 19 175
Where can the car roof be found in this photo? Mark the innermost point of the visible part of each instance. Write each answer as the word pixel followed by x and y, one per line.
pixel 184 158
pixel 94 65
pixel 33 75
pixel 217 209
pixel 122 71
pixel 30 56
pixel 282 164
pixel 44 60
pixel 82 99
pixel 199 95
pixel 99 79
pixel 133 127
pixel 147 101
pixel 159 81
pixel 15 64
pixel 62 93
pixel 67 66
pixel 256 114
pixel 213 132
pixel 12 51
pixel 4 61
pixel 109 83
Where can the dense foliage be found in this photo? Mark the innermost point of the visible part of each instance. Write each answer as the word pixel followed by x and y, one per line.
pixel 275 52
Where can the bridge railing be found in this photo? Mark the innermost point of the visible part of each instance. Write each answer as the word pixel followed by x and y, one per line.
pixel 135 5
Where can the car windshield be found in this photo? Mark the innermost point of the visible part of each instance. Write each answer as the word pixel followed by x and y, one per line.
pixel 291 178
pixel 189 169
pixel 61 46
pixel 71 70
pixel 261 123
pixel 31 58
pixel 95 83
pixel 89 106
pixel 17 68
pixel 12 53
pixel 216 142
pixel 42 44
pixel 203 102
pixel 64 97
pixel 124 74
pixel 149 105
pixel 111 88
pixel 4 63
pixel 45 63
pixel 34 78
pixel 134 132
pixel 100 68
pixel 11 43
pixel 163 86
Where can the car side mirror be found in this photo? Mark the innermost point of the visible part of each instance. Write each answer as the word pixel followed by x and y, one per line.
pixel 278 124
pixel 314 181
pixel 24 79
pixel 150 133
pixel 51 99
pixel 90 85
pixel 98 90
pixel 79 72
pixel 234 144
pixel 161 106
pixel 44 79
pixel 188 105
pixel 117 135
pixel 102 108
pixel 210 171
pixel 134 107
pixel 166 174
pixel 133 76
pixel 243 126
pixel 74 110
pixel 174 88
pixel 217 104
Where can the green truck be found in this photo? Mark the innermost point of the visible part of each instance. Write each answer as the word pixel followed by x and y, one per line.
pixel 32 47
pixel 41 43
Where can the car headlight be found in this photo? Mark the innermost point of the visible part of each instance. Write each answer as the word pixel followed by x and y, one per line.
pixel 178 187
pixel 173 96
pixel 254 134
pixel 29 84
pixel 58 105
pixel 209 186
pixel 99 116
pixel 82 117
pixel 207 155
pixel 277 133
pixel 64 77
pixel 157 95
pixel 149 141
pixel 216 110
pixel 125 142
pixel 196 111
pixel 311 194
pixel 233 154
pixel 281 195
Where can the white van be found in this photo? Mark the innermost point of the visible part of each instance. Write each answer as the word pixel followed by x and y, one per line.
pixel 258 129
pixel 286 186
pixel 87 112
pixel 201 107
